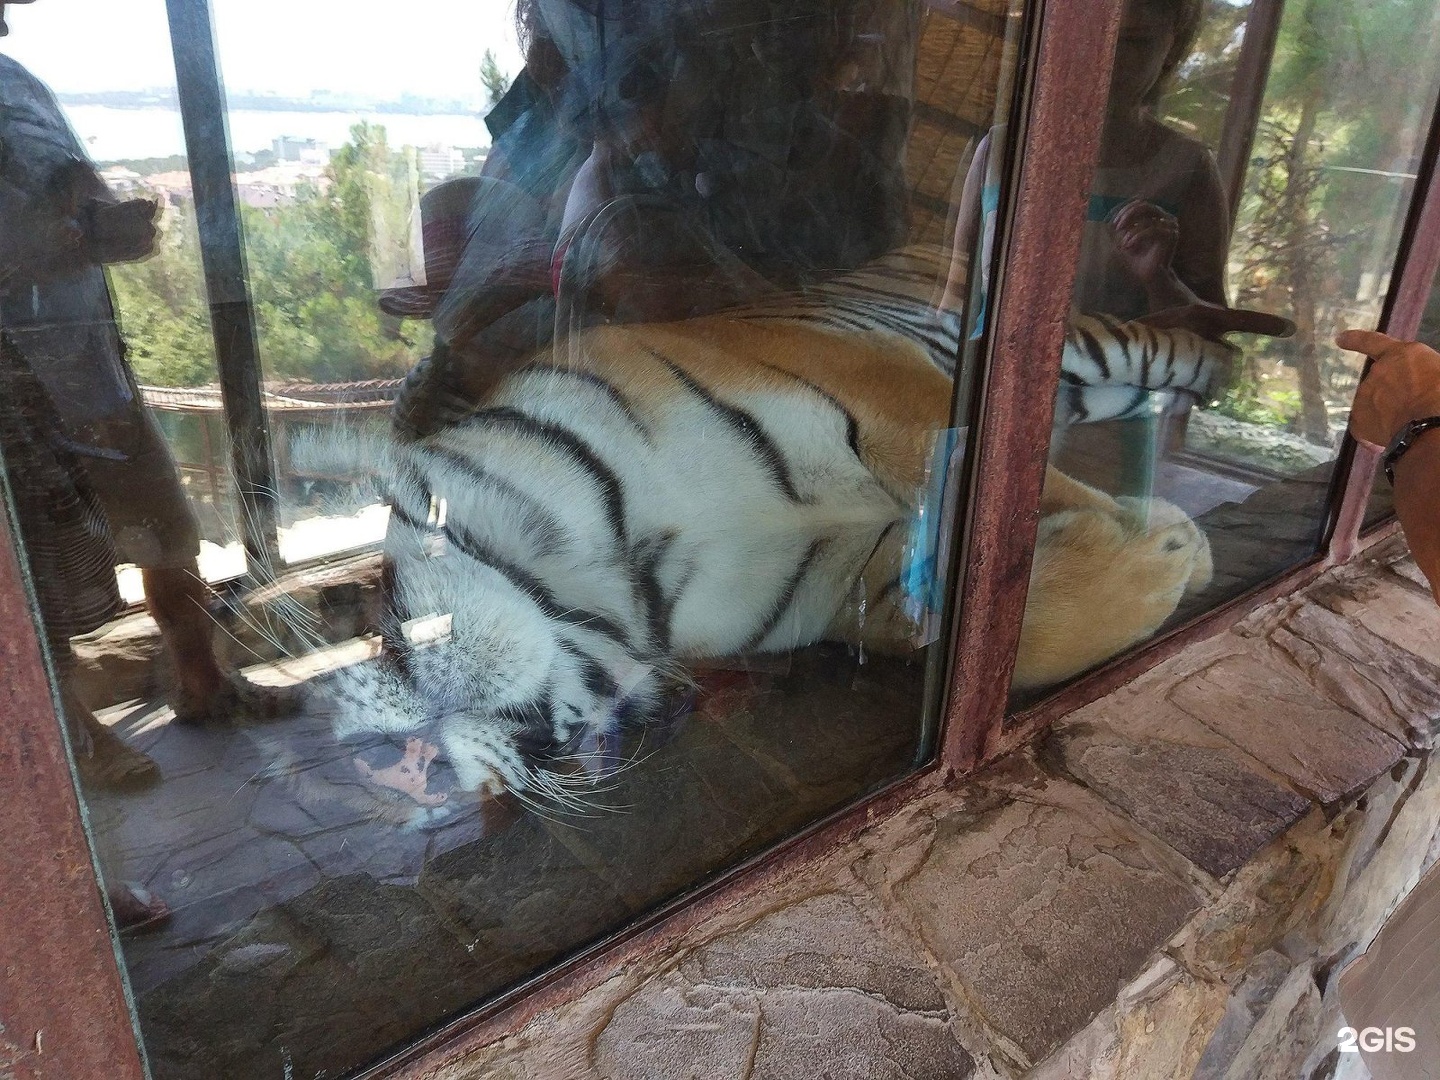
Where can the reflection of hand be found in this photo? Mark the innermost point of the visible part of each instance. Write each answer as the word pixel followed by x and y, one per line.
pixel 1145 237
pixel 1403 385
pixel 121 232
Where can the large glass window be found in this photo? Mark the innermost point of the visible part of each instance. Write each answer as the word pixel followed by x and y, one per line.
pixel 642 394
pixel 1202 400
pixel 116 89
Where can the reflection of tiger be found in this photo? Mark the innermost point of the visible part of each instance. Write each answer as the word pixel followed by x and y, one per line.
pixel 1109 369
pixel 732 484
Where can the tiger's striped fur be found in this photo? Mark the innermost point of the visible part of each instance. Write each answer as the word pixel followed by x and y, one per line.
pixel 656 494
pixel 1110 369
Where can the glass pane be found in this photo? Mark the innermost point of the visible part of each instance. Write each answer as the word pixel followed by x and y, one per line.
pixel 331 164
pixel 659 522
pixel 120 105
pixel 1203 401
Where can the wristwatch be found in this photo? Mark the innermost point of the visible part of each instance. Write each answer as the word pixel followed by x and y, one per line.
pixel 1404 439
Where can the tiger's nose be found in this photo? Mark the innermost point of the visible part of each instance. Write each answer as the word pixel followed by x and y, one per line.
pixel 409 775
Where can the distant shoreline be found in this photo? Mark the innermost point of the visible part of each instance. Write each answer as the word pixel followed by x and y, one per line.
pixel 152 129
pixel 250 102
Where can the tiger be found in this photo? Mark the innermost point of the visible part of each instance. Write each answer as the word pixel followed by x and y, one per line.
pixel 646 496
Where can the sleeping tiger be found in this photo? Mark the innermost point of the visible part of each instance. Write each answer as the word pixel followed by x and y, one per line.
pixel 652 495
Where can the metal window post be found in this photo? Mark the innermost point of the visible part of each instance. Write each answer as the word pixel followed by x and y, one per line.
pixel 63 1006
pixel 1061 145
pixel 222 250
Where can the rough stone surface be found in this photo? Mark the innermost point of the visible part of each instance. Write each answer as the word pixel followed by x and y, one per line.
pixel 1218 818
pixel 1042 906
pixel 1279 893
pixel 1395 690
pixel 1158 1027
pixel 1387 605
pixel 1390 850
pixel 1270 1024
pixel 674 1030
pixel 827 941
pixel 1274 716
pixel 844 1035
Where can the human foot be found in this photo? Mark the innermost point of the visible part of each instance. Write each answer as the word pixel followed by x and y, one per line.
pixel 105 762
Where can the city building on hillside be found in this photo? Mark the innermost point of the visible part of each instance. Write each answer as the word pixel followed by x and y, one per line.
pixel 120 180
pixel 308 151
pixel 440 161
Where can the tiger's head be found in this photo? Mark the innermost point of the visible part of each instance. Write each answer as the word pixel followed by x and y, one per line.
pixel 492 690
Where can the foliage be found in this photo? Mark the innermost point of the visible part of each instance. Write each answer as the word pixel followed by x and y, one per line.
pixel 495 81
pixel 162 309
pixel 1345 109
pixel 1200 90
pixel 311 282
pixel 1255 403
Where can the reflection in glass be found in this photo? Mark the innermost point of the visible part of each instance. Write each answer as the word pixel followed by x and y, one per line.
pixel 1239 458
pixel 159 301
pixel 644 403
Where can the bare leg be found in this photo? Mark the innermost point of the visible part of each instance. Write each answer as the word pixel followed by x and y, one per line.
pixel 135 907
pixel 176 598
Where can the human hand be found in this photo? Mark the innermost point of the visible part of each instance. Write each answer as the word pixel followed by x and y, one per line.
pixel 123 231
pixel 1145 237
pixel 1402 385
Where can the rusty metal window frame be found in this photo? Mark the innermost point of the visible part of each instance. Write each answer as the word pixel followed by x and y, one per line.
pixel 63 997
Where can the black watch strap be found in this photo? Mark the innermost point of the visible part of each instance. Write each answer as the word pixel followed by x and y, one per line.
pixel 1404 439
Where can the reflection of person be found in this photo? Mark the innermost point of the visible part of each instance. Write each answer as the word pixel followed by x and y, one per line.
pixel 699 155
pixel 61 225
pixel 1398 408
pixel 72 566
pixel 1156 226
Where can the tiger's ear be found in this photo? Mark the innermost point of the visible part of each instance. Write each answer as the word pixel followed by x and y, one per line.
pixel 1214 322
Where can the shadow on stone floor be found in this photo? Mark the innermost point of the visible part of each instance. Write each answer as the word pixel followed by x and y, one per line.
pixel 307 940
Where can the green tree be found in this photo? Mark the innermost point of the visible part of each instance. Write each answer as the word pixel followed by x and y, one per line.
pixel 1350 88
pixel 495 81
pixel 162 311
pixel 312 280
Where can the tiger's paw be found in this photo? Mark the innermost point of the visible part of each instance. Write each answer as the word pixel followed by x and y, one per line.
pixel 1180 535
pixel 1103 581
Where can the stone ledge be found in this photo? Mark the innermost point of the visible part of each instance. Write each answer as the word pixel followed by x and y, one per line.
pixel 1078 911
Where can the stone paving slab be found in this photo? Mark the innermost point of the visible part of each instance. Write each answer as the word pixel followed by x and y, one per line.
pixel 1390 687
pixel 1389 606
pixel 1278 718
pixel 1212 804
pixel 827 941
pixel 1042 903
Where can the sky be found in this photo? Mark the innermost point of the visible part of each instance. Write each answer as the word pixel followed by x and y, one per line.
pixel 290 47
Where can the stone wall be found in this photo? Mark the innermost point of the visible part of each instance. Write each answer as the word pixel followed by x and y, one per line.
pixel 1166 885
